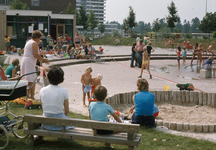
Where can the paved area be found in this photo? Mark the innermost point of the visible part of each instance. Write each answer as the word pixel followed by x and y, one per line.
pixel 119 77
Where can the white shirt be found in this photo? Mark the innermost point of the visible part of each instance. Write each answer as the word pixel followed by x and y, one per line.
pixel 52 98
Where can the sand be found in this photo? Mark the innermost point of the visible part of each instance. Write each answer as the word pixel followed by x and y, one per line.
pixel 187 113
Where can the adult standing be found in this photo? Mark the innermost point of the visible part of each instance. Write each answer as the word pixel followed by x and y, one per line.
pixel 137 39
pixel 143 105
pixel 139 48
pixel 28 63
pixel 77 40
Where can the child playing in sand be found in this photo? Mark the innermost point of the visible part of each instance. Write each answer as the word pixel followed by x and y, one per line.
pixel 184 55
pixel 145 62
pixel 95 82
pixel 86 79
pixel 178 51
pixel 98 111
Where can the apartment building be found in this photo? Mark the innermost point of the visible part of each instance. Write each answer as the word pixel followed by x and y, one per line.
pixel 98 6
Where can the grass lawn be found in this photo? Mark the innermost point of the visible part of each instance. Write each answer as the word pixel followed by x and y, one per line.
pixel 148 136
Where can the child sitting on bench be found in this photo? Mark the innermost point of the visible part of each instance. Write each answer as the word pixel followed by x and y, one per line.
pixel 98 111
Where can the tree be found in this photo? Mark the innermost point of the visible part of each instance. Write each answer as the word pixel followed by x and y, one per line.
pixel 92 21
pixel 156 25
pixel 172 17
pixel 195 22
pixel 115 22
pixel 101 28
pixel 125 25
pixel 178 28
pixel 69 10
pixel 131 18
pixel 162 22
pixel 17 5
pixel 83 17
pixel 186 26
pixel 208 24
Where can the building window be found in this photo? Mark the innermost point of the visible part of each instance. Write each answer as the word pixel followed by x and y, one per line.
pixel 35 3
pixel 9 2
pixel 2 2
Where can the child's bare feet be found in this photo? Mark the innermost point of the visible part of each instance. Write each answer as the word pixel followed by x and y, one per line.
pixel 85 105
pixel 108 145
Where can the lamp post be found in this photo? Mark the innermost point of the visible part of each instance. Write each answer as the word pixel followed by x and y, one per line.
pixel 206 7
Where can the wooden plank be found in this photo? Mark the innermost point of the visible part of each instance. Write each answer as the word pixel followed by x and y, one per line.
pixel 130 136
pixel 63 128
pixel 86 137
pixel 95 132
pixel 35 141
pixel 32 126
pixel 134 128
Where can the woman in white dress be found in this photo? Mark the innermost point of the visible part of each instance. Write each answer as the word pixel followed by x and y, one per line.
pixel 28 63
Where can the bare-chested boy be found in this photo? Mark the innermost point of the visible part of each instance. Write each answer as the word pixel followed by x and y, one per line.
pixel 145 62
pixel 95 82
pixel 86 79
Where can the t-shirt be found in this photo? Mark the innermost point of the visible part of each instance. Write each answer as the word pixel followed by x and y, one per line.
pixel 144 103
pixel 9 70
pixel 7 39
pixel 139 47
pixel 99 111
pixel 68 38
pixel 137 39
pixel 208 61
pixel 132 49
pixel 178 53
pixel 149 48
pixel 155 109
pixel 183 53
pixel 48 39
pixel 52 98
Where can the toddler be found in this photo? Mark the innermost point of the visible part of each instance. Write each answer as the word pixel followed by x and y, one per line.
pixel 184 55
pixel 86 79
pixel 99 110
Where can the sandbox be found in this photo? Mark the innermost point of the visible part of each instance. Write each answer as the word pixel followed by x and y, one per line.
pixel 178 110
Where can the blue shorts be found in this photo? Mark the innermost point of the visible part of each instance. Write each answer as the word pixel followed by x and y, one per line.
pixel 178 58
pixel 69 41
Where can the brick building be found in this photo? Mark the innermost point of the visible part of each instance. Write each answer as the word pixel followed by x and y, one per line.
pixel 56 6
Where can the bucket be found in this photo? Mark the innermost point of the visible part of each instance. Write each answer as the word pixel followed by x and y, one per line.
pixel 11 52
pixel 87 89
pixel 166 87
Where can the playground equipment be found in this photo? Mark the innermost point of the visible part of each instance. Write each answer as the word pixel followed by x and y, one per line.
pixel 187 86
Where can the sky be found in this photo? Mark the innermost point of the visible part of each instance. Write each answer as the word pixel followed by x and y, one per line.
pixel 149 10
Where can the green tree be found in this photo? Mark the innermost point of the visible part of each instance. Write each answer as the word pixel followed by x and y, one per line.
pixel 83 17
pixel 125 25
pixel 17 5
pixel 101 28
pixel 195 22
pixel 186 26
pixel 156 25
pixel 131 18
pixel 208 24
pixel 173 17
pixel 70 10
pixel 92 21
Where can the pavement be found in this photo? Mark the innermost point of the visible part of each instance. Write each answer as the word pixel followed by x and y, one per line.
pixel 118 77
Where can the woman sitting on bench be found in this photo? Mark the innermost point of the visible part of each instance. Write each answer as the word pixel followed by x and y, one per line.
pixel 54 99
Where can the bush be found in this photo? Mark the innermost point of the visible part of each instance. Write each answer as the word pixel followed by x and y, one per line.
pixel 188 36
pixel 214 34
pixel 205 37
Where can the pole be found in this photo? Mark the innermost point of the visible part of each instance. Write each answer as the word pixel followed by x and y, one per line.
pixel 206 8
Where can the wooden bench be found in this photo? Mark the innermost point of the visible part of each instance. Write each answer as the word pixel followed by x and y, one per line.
pixel 128 135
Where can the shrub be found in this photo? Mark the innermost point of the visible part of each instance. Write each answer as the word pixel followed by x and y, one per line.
pixel 214 34
pixel 188 36
pixel 205 37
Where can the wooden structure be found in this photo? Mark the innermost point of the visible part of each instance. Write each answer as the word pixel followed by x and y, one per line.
pixel 130 138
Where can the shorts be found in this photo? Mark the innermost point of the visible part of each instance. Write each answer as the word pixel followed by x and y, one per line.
pixel 156 114
pixel 207 67
pixel 69 41
pixel 178 58
pixel 145 62
pixel 7 44
pixel 77 42
pixel 51 47
pixel 149 54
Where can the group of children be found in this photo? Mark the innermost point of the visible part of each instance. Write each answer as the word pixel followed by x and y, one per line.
pixel 197 51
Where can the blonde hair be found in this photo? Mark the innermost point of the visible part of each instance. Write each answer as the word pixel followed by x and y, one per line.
pixel 41 41
pixel 211 58
pixel 142 85
pixel 99 76
pixel 89 69
pixel 90 44
pixel 145 48
pixel 15 62
pixel 48 36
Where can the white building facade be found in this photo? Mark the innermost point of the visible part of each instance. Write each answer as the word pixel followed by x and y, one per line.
pixel 98 6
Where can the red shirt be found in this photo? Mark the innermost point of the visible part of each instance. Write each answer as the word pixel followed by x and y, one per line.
pixel 140 47
pixel 178 53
